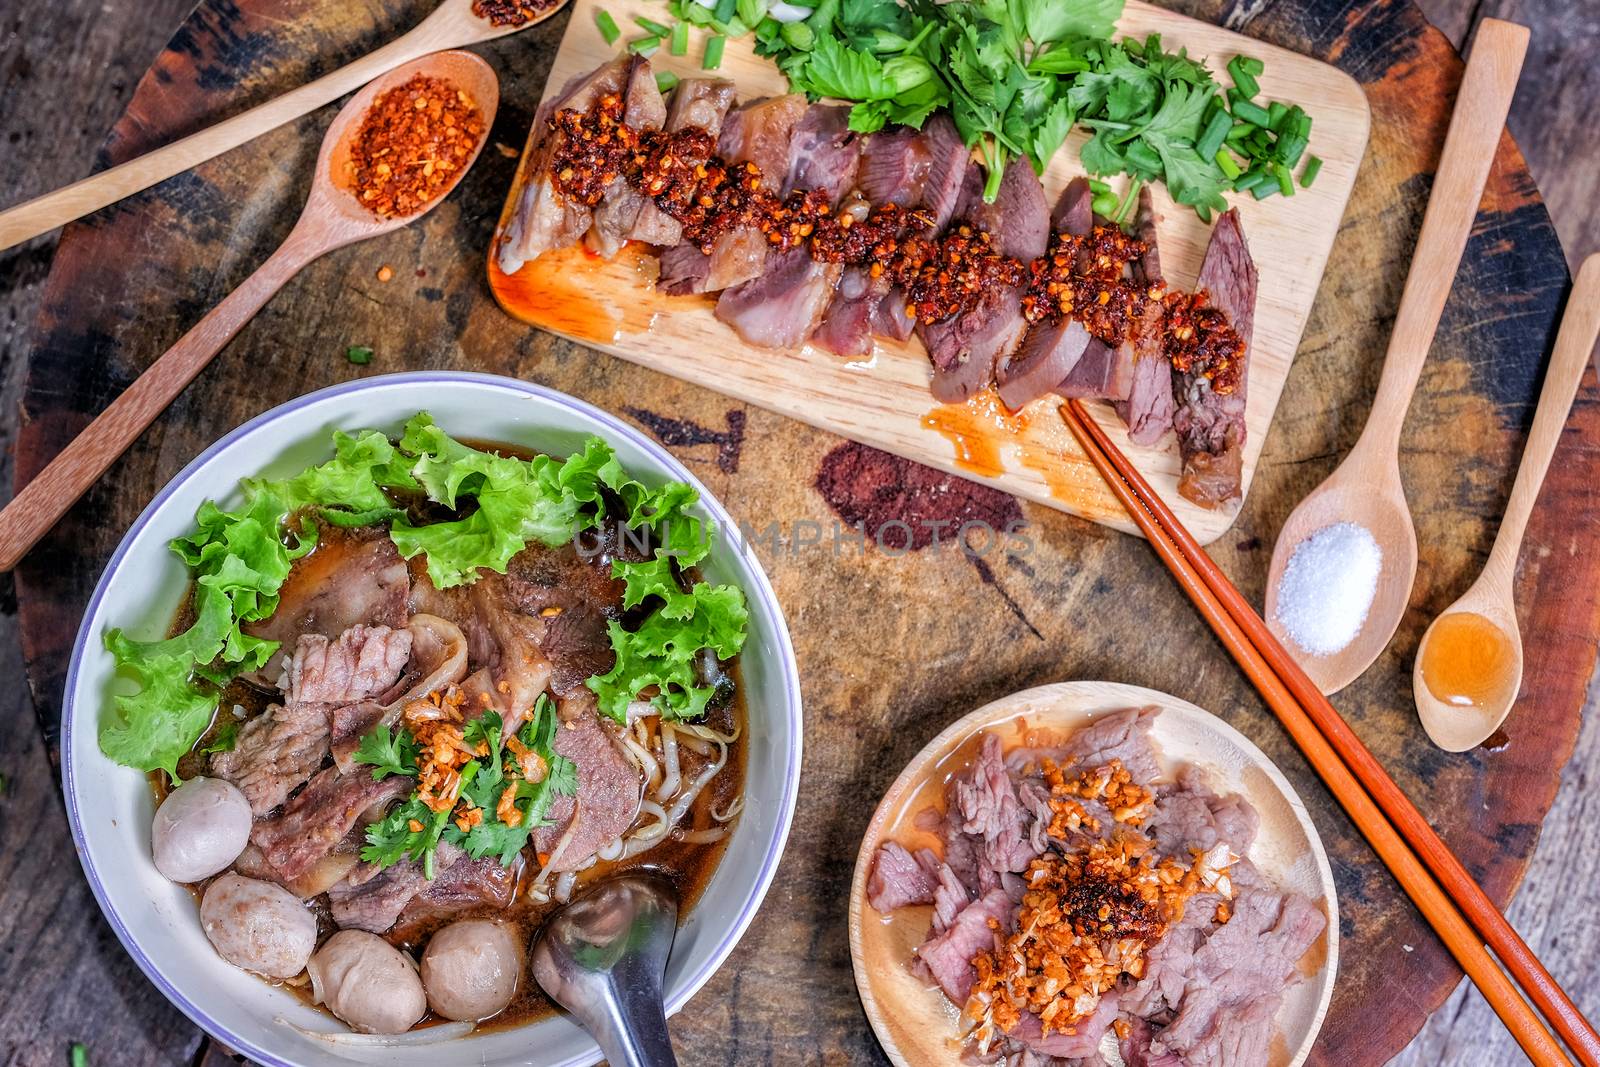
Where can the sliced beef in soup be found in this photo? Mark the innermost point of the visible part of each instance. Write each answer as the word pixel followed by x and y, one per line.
pixel 351 579
pixel 364 662
pixel 320 815
pixel 609 791
pixel 275 753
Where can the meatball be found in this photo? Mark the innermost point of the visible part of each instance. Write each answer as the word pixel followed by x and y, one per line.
pixel 471 969
pixel 257 925
pixel 200 829
pixel 368 983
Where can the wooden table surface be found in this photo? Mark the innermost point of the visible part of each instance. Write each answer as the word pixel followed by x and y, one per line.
pixel 1077 606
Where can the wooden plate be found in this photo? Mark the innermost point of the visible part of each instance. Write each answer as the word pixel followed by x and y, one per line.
pixel 914 1020
pixel 884 400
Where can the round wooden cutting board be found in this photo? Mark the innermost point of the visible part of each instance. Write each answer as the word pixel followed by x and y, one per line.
pixel 894 642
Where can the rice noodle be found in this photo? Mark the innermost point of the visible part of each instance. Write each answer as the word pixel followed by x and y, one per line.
pixel 707 733
pixel 426 1036
pixel 735 808
pixel 673 777
pixel 696 745
pixel 704 837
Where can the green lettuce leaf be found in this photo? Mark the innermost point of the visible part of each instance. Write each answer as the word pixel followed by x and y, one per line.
pixel 662 650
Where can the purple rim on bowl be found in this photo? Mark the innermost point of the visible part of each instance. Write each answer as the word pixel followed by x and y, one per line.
pixel 613 425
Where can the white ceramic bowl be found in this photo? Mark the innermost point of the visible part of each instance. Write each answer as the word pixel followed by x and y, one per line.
pixel 110 806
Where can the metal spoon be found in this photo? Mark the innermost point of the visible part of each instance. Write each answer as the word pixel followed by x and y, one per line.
pixel 332 218
pixel 1366 488
pixel 451 25
pixel 1476 696
pixel 603 958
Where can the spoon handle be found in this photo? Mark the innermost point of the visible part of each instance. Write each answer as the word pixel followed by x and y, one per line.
pixel 633 1033
pixel 42 502
pixel 1469 148
pixel 446 27
pixel 1580 325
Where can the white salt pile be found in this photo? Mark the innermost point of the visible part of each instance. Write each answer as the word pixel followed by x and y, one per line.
pixel 1327 587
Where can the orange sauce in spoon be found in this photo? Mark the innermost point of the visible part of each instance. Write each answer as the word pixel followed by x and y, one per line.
pixel 1469 662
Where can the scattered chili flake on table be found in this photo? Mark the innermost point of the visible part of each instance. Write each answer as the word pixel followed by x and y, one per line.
pixel 510 12
pixel 414 141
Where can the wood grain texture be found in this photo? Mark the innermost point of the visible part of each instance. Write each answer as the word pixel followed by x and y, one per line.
pixel 1083 602
pixel 883 400
pixel 451 25
pixel 332 218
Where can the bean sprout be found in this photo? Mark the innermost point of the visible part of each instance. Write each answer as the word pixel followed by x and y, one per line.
pixel 735 807
pixel 641 755
pixel 564 883
pixel 561 846
pixel 707 733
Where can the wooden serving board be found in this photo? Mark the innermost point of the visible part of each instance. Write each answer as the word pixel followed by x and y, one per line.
pixel 884 400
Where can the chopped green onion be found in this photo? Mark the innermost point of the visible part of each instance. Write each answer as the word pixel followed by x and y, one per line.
pixel 360 355
pixel 1242 79
pixel 644 46
pixel 1302 122
pixel 751 12
pixel 1098 187
pixel 1226 163
pixel 797 35
pixel 1285 180
pixel 713 57
pixel 1244 109
pixel 1290 149
pixel 1277 111
pixel 1216 130
pixel 652 27
pixel 1309 175
pixel 1264 189
pixel 1251 65
pixel 1249 180
pixel 680 38
pixel 1240 131
pixel 724 10
pixel 1104 204
pixel 700 16
pixel 77 1055
pixel 735 28
pixel 666 81
pixel 608 26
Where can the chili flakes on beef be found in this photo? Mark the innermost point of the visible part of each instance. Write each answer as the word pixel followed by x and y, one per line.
pixel 591 149
pixel 414 140
pixel 1199 340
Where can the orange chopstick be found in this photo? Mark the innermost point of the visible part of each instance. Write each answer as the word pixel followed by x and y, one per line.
pixel 1328 745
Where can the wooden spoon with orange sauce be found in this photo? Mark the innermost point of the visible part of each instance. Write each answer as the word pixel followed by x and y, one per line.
pixel 1469 666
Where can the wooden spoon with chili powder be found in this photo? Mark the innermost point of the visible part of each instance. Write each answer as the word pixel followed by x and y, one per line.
pixel 352 198
pixel 453 24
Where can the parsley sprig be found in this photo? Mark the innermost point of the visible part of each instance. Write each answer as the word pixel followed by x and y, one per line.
pixel 1018 75
pixel 483 782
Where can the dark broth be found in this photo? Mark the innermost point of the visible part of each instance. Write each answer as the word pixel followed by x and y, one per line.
pixel 688 865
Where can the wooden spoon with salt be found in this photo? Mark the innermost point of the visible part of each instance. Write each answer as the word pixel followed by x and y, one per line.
pixel 1469 665
pixel 453 24
pixel 333 217
pixel 1366 489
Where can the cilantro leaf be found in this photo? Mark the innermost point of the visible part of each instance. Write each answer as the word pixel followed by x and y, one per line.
pixel 388 753
pixel 1052 20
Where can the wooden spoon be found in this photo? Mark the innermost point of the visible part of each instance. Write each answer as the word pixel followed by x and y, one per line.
pixel 1465 688
pixel 332 218
pixel 451 25
pixel 1365 489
